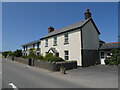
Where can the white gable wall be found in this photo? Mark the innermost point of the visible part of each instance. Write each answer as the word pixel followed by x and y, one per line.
pixel 74 46
pixel 90 37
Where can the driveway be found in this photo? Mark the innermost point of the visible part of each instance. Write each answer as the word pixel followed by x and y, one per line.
pixel 100 76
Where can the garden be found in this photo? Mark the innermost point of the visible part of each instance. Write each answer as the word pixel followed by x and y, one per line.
pixel 49 61
pixel 114 58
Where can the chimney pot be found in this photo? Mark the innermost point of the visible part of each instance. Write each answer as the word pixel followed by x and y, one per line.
pixel 87 14
pixel 50 29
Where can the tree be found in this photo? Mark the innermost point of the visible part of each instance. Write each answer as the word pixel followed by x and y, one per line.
pixel 6 53
pixel 32 53
pixel 17 53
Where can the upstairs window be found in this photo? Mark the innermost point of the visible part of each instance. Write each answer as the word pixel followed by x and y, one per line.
pixel 66 39
pixel 66 55
pixel 38 44
pixel 23 48
pixel 26 47
pixel 33 45
pixel 46 43
pixel 55 41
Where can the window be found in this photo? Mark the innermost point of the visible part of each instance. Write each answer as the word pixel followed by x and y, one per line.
pixel 33 45
pixel 102 54
pixel 55 41
pixel 66 55
pixel 38 44
pixel 26 47
pixel 46 43
pixel 38 53
pixel 109 54
pixel 23 48
pixel 66 38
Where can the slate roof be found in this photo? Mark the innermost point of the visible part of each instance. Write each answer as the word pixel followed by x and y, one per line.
pixel 113 45
pixel 30 43
pixel 101 41
pixel 66 29
pixel 69 28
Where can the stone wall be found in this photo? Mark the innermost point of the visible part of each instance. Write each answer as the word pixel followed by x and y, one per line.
pixel 53 66
pixel 21 60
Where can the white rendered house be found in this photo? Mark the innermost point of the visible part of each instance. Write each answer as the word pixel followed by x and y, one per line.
pixel 79 41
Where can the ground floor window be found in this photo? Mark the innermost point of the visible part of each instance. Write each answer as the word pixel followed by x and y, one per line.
pixel 66 54
pixel 38 53
pixel 102 54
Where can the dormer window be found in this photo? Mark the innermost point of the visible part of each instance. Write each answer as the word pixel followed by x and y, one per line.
pixel 55 41
pixel 46 43
pixel 66 39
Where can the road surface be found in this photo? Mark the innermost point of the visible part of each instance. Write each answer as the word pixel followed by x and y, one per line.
pixel 22 76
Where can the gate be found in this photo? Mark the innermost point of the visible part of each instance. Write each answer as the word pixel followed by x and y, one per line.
pixel 30 61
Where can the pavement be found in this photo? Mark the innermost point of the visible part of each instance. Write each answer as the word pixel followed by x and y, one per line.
pixel 17 75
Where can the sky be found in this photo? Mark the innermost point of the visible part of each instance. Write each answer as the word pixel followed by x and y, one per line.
pixel 24 22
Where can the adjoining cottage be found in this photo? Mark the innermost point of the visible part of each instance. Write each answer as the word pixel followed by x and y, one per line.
pixel 79 41
pixel 27 46
pixel 105 50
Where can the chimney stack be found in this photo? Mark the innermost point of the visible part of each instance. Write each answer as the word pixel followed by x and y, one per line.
pixel 87 14
pixel 50 29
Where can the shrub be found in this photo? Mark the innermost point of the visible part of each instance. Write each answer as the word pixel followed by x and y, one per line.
pixel 107 60
pixel 25 57
pixel 40 57
pixel 18 53
pixel 48 55
pixel 63 68
pixel 6 53
pixel 118 59
pixel 54 58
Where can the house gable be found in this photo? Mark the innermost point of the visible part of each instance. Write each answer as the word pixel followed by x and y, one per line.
pixel 90 36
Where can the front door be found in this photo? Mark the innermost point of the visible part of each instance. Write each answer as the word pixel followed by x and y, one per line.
pixel 57 54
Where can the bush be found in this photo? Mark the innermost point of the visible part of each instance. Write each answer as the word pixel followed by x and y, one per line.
pixel 118 59
pixel 110 61
pixel 48 55
pixel 25 57
pixel 6 53
pixel 113 63
pixel 18 53
pixel 40 57
pixel 53 59
pixel 107 61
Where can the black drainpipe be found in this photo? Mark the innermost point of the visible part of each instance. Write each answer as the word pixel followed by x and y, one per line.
pixel 82 47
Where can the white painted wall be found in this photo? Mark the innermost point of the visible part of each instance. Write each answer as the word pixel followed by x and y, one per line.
pixel 74 46
pixel 90 37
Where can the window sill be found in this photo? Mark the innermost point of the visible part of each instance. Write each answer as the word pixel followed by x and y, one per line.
pixel 46 46
pixel 55 45
pixel 66 43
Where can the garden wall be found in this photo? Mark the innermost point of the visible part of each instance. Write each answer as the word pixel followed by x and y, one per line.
pixel 21 60
pixel 53 66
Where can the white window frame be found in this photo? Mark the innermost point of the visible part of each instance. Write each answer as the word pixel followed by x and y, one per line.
pixel 66 38
pixel 66 55
pixel 46 42
pixel 55 41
